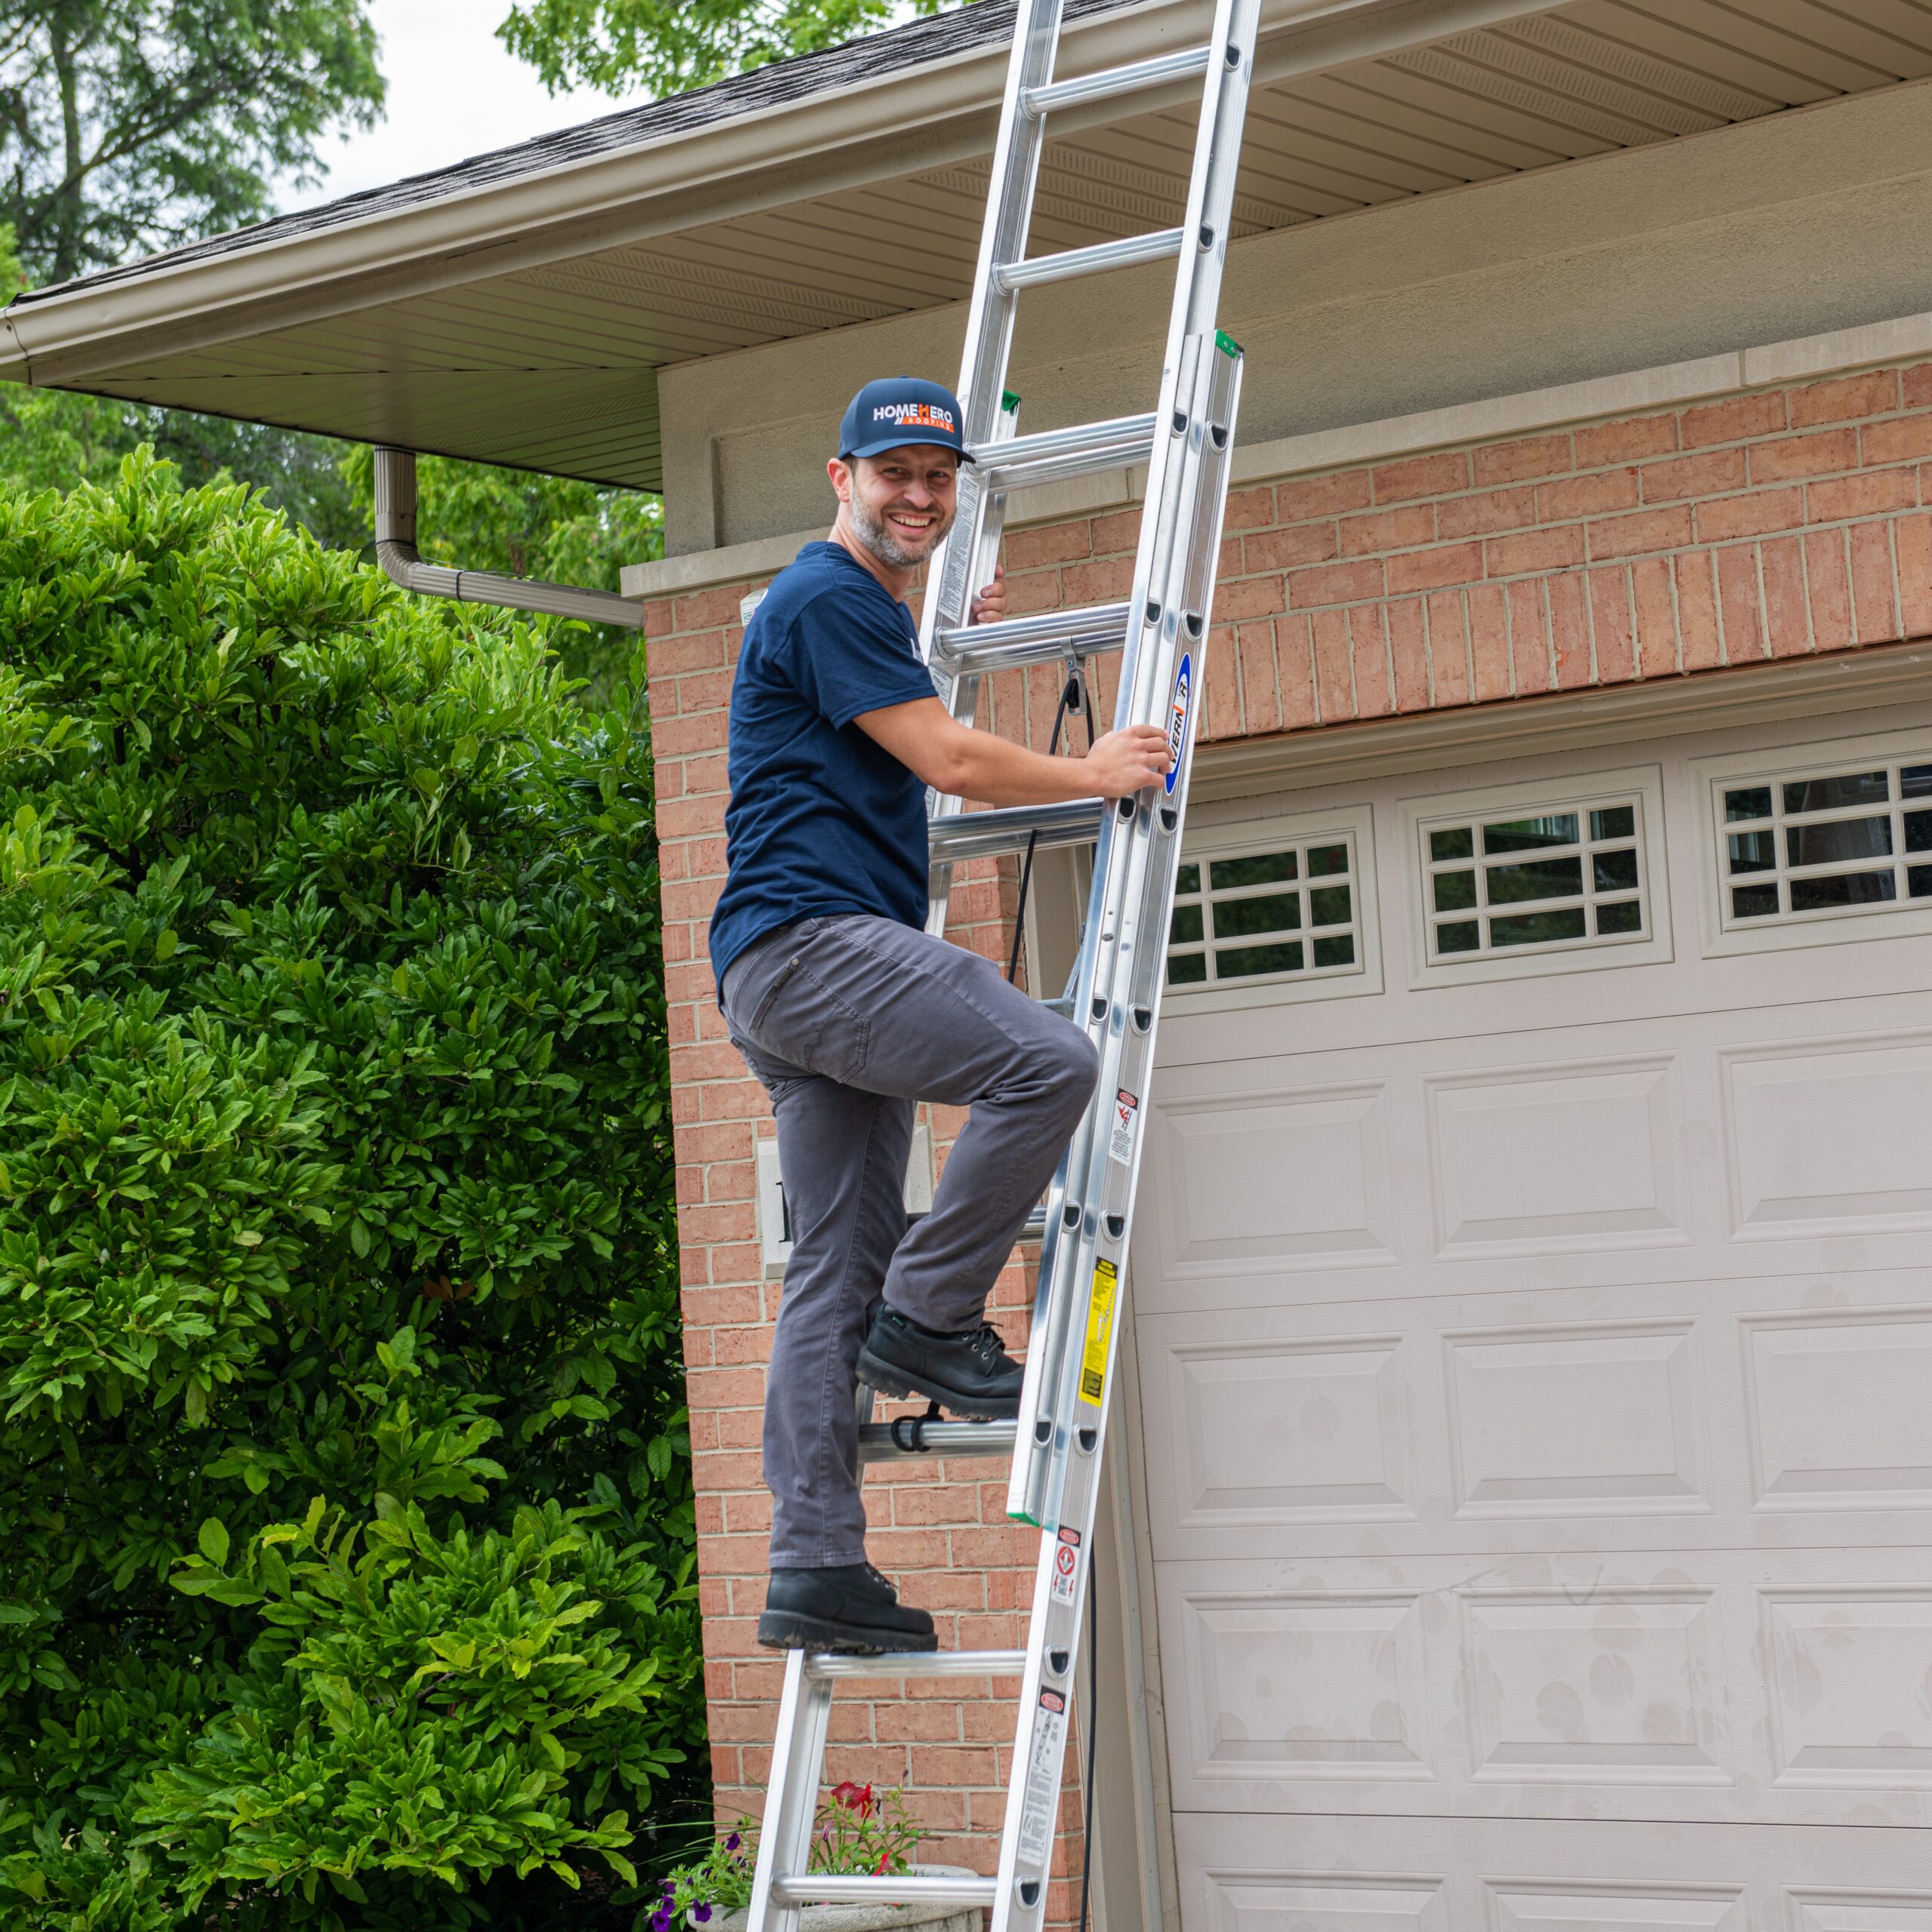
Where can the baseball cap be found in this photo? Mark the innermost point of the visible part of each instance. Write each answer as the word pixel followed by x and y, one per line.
pixel 895 410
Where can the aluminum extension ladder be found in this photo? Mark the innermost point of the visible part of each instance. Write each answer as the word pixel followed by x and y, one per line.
pixel 1185 444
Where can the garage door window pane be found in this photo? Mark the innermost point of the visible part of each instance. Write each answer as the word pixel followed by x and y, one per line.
pixel 1528 835
pixel 1278 912
pixel 1265 869
pixel 1556 878
pixel 1536 928
pixel 1616 871
pixel 1244 962
pixel 1268 899
pixel 1563 877
pixel 1813 895
pixel 1822 844
pixel 1839 844
pixel 1825 795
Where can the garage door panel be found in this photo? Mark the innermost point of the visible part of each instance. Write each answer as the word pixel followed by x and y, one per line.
pixel 1768 1412
pixel 1829 1137
pixel 1222 1158
pixel 1770 1687
pixel 1573 1157
pixel 1252 1874
pixel 1773 1141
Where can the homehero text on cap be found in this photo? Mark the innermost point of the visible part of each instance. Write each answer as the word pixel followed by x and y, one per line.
pixel 895 410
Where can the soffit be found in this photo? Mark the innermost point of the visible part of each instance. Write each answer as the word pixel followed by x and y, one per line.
pixel 538 345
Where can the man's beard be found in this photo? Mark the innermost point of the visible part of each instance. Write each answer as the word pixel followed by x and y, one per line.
pixel 876 535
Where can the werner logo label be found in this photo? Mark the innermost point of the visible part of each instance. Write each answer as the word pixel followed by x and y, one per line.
pixel 1179 708
pixel 915 416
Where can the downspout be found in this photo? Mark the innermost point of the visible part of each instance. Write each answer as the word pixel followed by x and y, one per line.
pixel 396 551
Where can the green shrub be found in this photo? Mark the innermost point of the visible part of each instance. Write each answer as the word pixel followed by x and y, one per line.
pixel 344 1477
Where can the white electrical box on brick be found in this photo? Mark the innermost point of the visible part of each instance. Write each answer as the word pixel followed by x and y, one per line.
pixel 774 1229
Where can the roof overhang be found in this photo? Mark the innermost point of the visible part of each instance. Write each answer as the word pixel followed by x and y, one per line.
pixel 515 310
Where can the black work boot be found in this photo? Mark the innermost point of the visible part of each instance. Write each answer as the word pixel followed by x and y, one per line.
pixel 849 1608
pixel 967 1372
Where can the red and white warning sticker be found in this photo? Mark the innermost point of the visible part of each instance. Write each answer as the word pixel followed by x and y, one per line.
pixel 1066 1565
pixel 1120 1142
pixel 1036 1819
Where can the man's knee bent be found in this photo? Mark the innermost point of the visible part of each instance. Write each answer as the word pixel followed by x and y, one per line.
pixel 1074 1067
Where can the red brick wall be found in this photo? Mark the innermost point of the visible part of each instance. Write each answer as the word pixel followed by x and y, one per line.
pixel 1781 523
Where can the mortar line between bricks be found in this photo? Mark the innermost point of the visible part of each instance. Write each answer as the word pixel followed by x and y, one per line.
pixel 1770 649
pixel 1897 581
pixel 1590 629
pixel 1468 644
pixel 1717 606
pixel 1676 619
pixel 1428 648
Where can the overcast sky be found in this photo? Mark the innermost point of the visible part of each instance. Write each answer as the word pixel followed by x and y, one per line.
pixel 453 91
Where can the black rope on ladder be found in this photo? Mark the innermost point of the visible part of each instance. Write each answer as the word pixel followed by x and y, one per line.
pixel 1075 691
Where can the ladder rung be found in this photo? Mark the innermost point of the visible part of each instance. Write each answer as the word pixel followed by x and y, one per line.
pixel 877 1442
pixel 918 1663
pixel 1036 1223
pixel 817 1891
pixel 964 835
pixel 1095 259
pixel 1038 638
pixel 1035 101
pixel 1050 455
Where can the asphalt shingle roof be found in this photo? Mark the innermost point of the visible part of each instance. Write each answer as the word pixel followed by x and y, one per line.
pixel 920 43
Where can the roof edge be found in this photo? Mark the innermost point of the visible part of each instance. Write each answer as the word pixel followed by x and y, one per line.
pixel 937 113
pixel 78 322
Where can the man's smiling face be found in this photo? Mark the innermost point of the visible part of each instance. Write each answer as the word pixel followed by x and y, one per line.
pixel 902 503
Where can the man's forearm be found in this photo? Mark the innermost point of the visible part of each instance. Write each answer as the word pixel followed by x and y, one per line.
pixel 994 771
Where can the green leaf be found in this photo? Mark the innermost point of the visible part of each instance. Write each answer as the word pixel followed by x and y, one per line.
pixel 213 1538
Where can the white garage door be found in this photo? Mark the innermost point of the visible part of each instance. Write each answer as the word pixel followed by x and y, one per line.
pixel 1535 1326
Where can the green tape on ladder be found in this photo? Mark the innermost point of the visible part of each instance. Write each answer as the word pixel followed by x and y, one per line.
pixel 1008 401
pixel 1227 345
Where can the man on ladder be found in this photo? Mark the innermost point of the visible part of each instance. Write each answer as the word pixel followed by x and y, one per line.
pixel 851 1015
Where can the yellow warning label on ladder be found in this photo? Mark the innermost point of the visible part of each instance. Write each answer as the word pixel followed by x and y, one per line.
pixel 1100 1330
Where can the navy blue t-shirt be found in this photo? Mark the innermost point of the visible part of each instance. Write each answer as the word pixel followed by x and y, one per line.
pixel 822 820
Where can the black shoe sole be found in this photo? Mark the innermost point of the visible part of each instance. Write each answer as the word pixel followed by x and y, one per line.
pixel 889 1378
pixel 792 1630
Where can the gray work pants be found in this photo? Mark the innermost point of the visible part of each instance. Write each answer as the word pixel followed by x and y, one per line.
pixel 850 1021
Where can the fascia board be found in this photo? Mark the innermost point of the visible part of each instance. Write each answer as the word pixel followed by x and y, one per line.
pixel 919 118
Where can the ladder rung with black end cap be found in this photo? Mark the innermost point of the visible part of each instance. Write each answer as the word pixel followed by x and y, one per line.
pixel 1185 444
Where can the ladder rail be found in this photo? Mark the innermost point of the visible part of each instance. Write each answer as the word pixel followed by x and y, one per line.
pixel 960 687
pixel 1147 666
pixel 784 1842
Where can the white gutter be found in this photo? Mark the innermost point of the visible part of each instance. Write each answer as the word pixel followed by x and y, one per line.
pixel 396 551
pixel 916 119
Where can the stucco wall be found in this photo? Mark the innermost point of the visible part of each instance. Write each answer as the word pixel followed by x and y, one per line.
pixel 1807 221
